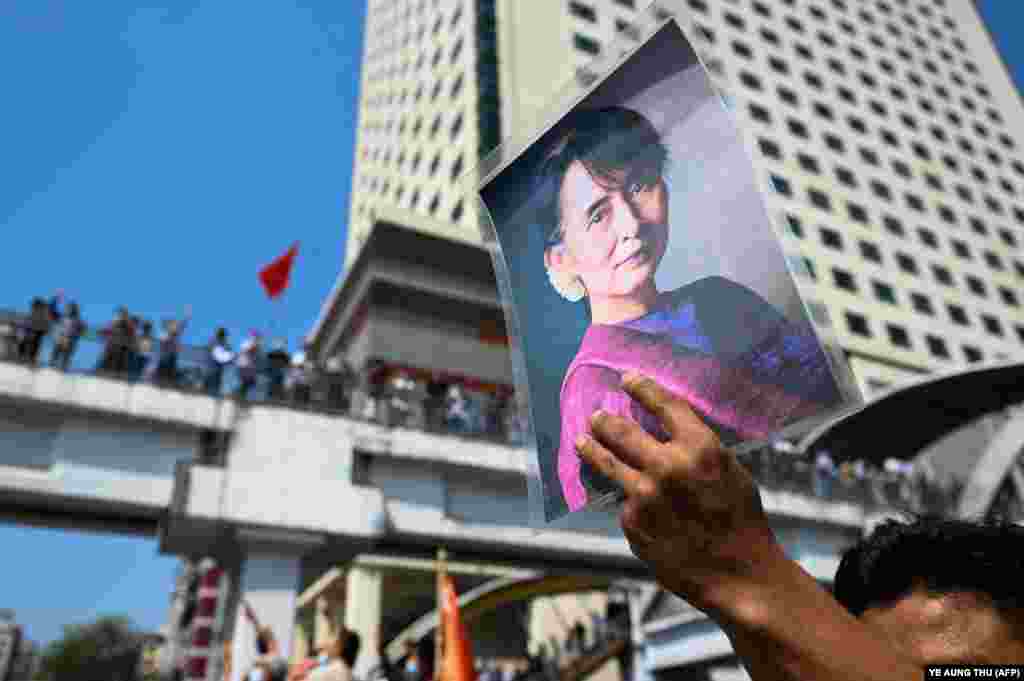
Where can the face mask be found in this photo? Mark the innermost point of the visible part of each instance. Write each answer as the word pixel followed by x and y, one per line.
pixel 411 666
pixel 322 660
pixel 256 675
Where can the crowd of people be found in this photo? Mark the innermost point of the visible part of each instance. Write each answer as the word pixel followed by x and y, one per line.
pixel 132 348
pixel 912 486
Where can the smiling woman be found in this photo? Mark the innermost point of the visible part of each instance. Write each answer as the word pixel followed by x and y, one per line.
pixel 741 364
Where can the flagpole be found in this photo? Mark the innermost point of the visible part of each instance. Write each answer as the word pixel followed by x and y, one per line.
pixel 439 633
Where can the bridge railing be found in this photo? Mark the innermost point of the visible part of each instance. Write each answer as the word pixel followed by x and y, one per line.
pixel 190 368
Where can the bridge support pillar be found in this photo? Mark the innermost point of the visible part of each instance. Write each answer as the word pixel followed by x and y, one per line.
pixel 363 609
pixel 269 582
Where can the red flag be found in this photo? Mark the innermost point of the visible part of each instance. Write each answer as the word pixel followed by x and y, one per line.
pixel 274 276
pixel 458 650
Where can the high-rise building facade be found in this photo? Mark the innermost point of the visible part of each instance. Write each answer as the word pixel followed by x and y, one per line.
pixel 886 135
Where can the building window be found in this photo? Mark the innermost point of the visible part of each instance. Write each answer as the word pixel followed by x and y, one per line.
pixel 884 292
pixel 585 44
pixel 857 212
pixel 992 325
pixel 808 163
pixel 846 176
pixel 976 286
pixel 858 324
pixel 844 280
pixel 898 335
pixel 585 12
pixel 457 212
pixel 922 304
pixel 819 200
pixel 1008 296
pixel 870 251
pixel 958 314
pixel 770 149
pixel 781 185
pixel 972 354
pixel 942 275
pixel 937 346
pixel 803 267
pixel 906 263
pixel 794 225
pixel 831 238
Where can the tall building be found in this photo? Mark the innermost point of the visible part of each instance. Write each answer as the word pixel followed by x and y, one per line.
pixel 885 134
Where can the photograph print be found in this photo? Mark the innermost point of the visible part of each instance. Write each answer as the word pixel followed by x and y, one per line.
pixel 632 237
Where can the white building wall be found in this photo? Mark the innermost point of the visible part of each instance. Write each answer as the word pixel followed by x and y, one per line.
pixel 892 125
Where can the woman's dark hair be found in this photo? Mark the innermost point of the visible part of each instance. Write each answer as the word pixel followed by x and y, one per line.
pixel 604 141
pixel 940 555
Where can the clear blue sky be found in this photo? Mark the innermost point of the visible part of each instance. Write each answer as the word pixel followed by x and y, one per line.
pixel 156 154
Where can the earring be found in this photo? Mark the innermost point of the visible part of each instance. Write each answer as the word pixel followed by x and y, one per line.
pixel 568 286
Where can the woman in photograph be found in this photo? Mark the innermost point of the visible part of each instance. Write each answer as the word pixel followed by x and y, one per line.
pixel 742 366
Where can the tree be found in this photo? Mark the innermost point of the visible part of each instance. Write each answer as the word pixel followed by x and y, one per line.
pixel 105 650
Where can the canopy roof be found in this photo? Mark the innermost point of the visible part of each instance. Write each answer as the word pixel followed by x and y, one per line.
pixel 904 422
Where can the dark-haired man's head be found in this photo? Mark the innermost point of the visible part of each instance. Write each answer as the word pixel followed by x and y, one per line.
pixel 605 212
pixel 350 648
pixel 942 591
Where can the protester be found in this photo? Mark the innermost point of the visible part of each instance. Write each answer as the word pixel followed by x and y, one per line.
pixel 457 417
pixel 277 367
pixel 693 513
pixel 118 341
pixel 36 328
pixel 69 331
pixel 145 344
pixel 170 346
pixel 340 378
pixel 218 356
pixel 248 363
pixel 335 667
pixel 300 376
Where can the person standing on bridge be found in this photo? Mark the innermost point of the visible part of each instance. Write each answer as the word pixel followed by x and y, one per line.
pixel 911 595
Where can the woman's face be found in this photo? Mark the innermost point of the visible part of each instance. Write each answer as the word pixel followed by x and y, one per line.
pixel 614 230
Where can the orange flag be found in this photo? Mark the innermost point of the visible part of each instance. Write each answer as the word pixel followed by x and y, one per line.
pixel 458 651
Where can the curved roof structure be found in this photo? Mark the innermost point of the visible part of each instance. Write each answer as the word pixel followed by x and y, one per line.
pixel 496 593
pixel 904 422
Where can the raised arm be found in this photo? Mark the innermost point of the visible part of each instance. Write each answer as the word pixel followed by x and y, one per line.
pixel 693 513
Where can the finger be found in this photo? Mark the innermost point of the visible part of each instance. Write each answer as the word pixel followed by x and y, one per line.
pixel 673 412
pixel 627 440
pixel 606 463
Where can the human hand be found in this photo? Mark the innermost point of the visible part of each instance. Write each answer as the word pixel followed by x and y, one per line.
pixel 692 512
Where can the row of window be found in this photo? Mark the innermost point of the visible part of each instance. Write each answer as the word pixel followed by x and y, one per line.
pixel 407 67
pixel 415 162
pixel 411 96
pixel 810 164
pixel 871 252
pixel 885 192
pixel 899 336
pixel 414 203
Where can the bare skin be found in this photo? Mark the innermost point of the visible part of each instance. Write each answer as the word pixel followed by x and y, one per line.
pixel 693 513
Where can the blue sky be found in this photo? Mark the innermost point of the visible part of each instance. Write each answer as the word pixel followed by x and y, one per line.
pixel 157 154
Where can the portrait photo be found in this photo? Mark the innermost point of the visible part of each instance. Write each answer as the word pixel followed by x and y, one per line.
pixel 632 236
